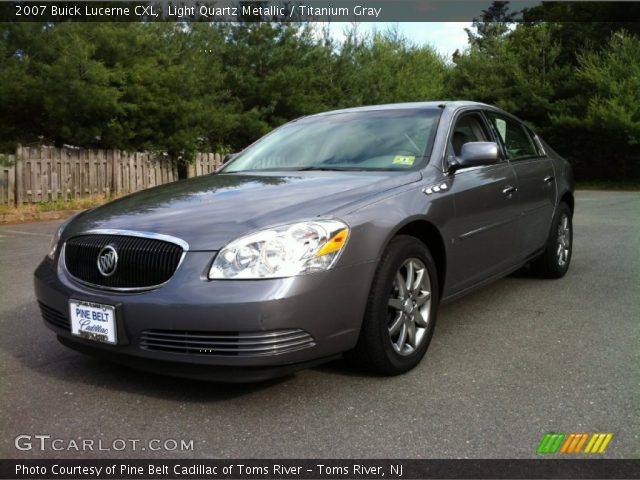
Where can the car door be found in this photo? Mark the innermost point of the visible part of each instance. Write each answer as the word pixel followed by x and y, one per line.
pixel 534 176
pixel 483 234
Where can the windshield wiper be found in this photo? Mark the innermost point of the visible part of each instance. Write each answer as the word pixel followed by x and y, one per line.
pixel 305 169
pixel 330 169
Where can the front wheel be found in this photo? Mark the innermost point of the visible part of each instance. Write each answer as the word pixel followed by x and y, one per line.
pixel 401 309
pixel 554 261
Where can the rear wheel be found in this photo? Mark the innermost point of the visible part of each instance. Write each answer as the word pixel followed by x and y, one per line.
pixel 554 261
pixel 401 309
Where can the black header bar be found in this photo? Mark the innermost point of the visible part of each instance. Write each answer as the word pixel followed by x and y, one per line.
pixel 332 469
pixel 309 11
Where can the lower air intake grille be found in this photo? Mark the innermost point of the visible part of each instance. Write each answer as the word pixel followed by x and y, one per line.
pixel 227 343
pixel 54 317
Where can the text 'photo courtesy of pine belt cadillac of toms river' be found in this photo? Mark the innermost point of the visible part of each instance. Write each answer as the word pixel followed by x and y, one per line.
pixel 337 234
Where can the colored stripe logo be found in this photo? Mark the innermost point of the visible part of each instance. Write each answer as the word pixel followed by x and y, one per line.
pixel 573 443
pixel 598 443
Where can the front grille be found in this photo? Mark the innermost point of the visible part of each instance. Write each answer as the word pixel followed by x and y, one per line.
pixel 227 343
pixel 142 262
pixel 54 317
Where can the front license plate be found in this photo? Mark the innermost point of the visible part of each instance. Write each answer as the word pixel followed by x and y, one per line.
pixel 93 321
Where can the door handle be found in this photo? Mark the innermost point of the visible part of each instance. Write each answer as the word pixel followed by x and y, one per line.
pixel 509 190
pixel 548 178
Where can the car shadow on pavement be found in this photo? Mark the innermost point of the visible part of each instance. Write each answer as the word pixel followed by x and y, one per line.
pixel 452 317
pixel 37 349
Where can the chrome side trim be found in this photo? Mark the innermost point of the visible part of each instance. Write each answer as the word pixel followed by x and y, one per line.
pixel 130 233
pixel 484 228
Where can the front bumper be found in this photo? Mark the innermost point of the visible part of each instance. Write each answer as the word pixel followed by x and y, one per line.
pixel 329 306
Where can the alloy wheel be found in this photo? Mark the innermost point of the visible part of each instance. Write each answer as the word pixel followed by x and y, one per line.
pixel 564 241
pixel 409 306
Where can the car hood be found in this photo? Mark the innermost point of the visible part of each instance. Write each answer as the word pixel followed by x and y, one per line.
pixel 209 211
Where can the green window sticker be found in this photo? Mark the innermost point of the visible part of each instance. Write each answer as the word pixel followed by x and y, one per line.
pixel 404 160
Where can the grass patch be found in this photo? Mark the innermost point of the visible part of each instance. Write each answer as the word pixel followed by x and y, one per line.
pixel 624 185
pixel 33 210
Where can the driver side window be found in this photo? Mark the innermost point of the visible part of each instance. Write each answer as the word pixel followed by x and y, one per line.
pixel 515 138
pixel 469 127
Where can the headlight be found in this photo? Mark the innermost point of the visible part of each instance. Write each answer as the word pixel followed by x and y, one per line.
pixel 55 240
pixel 282 251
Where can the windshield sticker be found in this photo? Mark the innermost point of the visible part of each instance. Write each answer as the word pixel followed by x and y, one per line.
pixel 404 159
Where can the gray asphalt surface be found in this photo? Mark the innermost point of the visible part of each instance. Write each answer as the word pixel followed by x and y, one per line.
pixel 508 363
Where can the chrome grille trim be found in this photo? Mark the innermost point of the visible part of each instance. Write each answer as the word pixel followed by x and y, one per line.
pixel 226 344
pixel 125 233
pixel 134 233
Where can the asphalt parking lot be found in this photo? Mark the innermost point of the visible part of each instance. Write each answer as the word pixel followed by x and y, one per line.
pixel 507 364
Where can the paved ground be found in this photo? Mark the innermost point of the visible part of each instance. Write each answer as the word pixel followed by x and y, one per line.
pixel 507 364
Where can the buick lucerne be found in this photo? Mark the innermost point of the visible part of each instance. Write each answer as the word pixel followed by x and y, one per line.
pixel 337 233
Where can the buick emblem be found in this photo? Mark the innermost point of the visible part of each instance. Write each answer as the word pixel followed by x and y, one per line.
pixel 107 261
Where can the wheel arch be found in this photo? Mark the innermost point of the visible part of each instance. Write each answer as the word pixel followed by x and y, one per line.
pixel 430 235
pixel 567 197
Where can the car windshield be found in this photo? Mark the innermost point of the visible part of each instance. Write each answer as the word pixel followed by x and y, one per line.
pixel 367 140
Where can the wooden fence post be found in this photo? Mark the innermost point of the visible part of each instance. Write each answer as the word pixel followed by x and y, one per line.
pixel 19 176
pixel 7 179
pixel 192 167
pixel 11 186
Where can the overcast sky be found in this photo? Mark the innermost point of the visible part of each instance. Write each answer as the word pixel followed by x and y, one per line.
pixel 446 37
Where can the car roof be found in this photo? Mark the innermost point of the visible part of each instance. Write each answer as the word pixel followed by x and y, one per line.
pixel 410 105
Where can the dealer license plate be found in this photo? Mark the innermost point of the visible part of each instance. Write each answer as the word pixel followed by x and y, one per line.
pixel 93 321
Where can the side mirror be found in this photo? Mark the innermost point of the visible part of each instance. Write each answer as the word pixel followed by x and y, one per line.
pixel 228 157
pixel 475 154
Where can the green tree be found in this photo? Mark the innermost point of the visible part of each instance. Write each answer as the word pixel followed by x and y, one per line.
pixel 519 75
pixel 179 88
pixel 386 68
pixel 274 72
pixel 604 132
pixel 579 26
pixel 488 31
pixel 134 86
pixel 21 93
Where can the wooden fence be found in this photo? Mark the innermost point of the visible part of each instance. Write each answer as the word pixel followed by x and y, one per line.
pixel 47 173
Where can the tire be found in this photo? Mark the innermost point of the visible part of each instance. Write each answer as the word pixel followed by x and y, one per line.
pixel 555 260
pixel 381 347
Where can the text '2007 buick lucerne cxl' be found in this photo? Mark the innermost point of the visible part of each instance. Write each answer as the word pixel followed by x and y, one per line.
pixel 337 233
